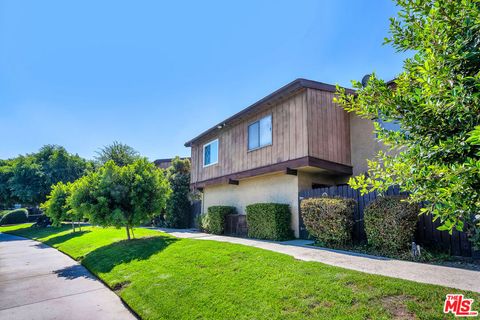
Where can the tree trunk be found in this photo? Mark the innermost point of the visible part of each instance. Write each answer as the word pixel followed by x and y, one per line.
pixel 133 235
pixel 80 226
pixel 73 226
pixel 128 233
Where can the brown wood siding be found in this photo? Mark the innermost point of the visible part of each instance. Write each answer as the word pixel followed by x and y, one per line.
pixel 305 124
pixel 289 141
pixel 328 128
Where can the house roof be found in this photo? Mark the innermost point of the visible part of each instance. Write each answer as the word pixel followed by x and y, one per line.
pixel 280 94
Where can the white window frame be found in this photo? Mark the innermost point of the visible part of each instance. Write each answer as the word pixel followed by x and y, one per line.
pixel 248 133
pixel 203 153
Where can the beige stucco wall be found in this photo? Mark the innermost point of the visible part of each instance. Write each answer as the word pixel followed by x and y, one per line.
pixel 279 188
pixel 363 144
pixel 306 179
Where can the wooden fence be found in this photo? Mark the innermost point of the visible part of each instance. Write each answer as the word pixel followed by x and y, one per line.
pixel 195 213
pixel 426 233
pixel 236 225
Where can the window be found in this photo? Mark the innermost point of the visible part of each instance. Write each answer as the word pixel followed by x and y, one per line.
pixel 260 133
pixel 210 153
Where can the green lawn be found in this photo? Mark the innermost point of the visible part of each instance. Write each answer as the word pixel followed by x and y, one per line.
pixel 162 277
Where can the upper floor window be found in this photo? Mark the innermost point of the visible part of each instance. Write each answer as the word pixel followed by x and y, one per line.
pixel 210 153
pixel 260 133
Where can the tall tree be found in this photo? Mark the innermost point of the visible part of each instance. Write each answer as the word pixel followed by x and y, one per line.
pixel 121 154
pixel 31 176
pixel 178 204
pixel 436 101
pixel 6 197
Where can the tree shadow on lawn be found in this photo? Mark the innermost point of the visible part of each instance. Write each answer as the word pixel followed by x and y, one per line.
pixel 65 237
pixel 105 258
pixel 37 232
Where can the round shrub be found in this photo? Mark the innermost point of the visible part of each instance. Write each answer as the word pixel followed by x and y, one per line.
pixel 390 223
pixel 329 220
pixel 269 221
pixel 214 220
pixel 15 216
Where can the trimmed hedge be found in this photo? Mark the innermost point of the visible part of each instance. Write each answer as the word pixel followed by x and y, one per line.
pixel 329 220
pixel 214 220
pixel 390 223
pixel 269 221
pixel 15 217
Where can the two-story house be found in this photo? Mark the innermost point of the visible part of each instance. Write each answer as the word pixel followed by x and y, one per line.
pixel 294 139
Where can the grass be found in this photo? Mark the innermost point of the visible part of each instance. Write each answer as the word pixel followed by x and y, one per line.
pixel 162 277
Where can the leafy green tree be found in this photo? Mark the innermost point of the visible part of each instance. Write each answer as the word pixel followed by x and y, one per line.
pixel 178 204
pixel 121 196
pixel 57 208
pixel 436 102
pixel 81 201
pixel 121 154
pixel 29 178
pixel 28 182
pixel 6 197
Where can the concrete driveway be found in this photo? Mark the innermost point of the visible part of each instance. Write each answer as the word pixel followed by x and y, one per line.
pixel 39 282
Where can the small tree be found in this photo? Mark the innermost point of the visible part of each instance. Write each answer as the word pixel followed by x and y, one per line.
pixel 178 204
pixel 121 196
pixel 436 102
pixel 121 154
pixel 82 202
pixel 56 207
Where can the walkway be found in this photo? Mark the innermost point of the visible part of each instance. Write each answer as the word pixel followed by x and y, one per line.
pixel 39 282
pixel 299 249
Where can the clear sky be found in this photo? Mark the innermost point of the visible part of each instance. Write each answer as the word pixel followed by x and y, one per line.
pixel 154 74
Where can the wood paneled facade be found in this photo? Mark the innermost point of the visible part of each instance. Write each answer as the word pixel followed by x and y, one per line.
pixel 328 128
pixel 306 125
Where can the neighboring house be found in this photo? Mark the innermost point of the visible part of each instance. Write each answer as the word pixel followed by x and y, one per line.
pixel 294 139
pixel 165 163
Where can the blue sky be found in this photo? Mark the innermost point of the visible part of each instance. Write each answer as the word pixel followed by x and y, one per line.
pixel 154 74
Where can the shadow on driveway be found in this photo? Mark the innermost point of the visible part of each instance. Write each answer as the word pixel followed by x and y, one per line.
pixel 73 272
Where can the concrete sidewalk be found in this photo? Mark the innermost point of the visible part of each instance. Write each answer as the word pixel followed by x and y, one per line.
pixel 39 282
pixel 299 249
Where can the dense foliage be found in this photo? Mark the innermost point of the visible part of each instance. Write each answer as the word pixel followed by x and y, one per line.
pixel 390 223
pixel 120 196
pixel 14 217
pixel 214 220
pixel 27 179
pixel 7 200
pixel 269 221
pixel 436 102
pixel 56 205
pixel 178 204
pixel 329 220
pixel 121 154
